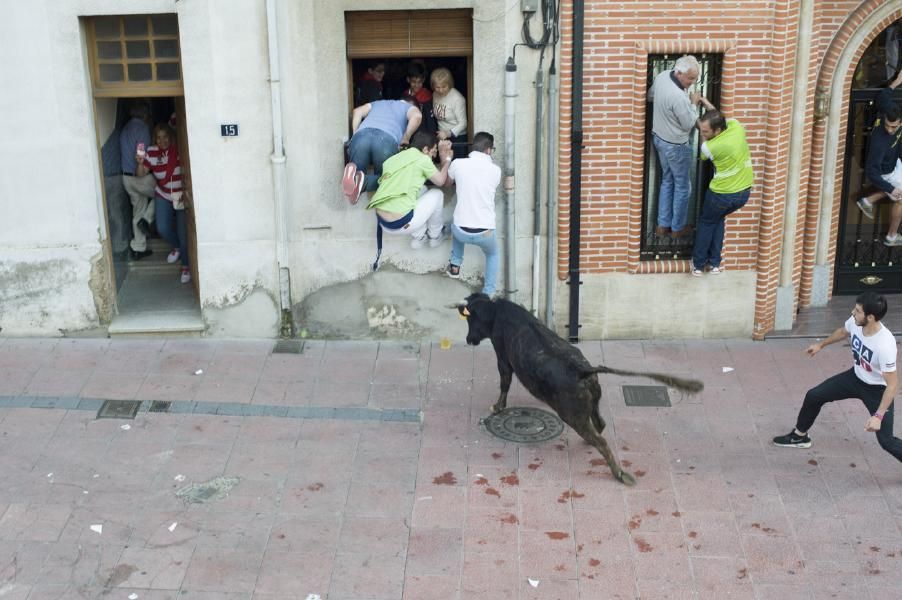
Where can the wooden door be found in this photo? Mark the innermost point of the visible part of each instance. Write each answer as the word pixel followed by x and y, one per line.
pixel 185 162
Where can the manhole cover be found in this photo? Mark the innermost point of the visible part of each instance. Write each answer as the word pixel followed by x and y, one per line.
pixel 524 425
pixel 288 347
pixel 118 409
pixel 646 395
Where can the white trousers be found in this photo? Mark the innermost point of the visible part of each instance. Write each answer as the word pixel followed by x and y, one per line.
pixel 141 191
pixel 427 216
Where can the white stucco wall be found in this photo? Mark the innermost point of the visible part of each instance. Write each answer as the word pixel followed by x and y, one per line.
pixel 226 80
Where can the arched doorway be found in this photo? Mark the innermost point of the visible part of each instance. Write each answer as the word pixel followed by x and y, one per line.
pixel 863 261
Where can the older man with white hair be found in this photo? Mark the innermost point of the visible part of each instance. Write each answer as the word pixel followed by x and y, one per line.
pixel 675 113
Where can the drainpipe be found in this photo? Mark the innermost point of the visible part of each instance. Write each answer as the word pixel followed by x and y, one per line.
pixel 510 99
pixel 576 156
pixel 537 192
pixel 551 195
pixel 277 160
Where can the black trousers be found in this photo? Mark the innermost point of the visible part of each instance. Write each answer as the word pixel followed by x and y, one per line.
pixel 848 385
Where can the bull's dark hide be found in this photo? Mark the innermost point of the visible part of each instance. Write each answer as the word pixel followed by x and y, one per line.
pixel 553 370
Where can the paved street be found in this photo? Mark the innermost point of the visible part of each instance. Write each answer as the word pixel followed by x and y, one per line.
pixel 359 471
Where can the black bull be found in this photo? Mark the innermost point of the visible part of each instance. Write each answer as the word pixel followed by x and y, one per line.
pixel 553 370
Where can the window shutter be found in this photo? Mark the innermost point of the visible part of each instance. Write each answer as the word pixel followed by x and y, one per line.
pixel 409 33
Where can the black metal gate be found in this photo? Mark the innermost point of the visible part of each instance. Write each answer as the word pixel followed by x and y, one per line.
pixel 863 262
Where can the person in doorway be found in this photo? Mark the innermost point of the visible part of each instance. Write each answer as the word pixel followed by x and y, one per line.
pixel 133 143
pixel 476 179
pixel 725 145
pixel 450 109
pixel 369 88
pixel 403 205
pixel 162 161
pixel 883 167
pixel 872 378
pixel 379 129
pixel 673 119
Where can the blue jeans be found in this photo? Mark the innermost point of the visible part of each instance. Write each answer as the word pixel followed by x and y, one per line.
pixel 709 233
pixel 673 199
pixel 488 243
pixel 173 226
pixel 371 147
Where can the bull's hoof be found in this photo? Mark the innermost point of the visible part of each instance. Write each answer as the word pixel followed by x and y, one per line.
pixel 497 409
pixel 626 479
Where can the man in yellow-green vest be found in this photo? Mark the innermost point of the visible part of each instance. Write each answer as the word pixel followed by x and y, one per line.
pixel 729 190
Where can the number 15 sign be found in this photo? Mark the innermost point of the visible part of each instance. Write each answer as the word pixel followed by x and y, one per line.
pixel 229 130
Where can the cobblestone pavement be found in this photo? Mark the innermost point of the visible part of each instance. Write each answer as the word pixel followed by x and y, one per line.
pixel 359 471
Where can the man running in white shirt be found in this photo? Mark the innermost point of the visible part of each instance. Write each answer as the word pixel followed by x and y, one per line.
pixel 872 378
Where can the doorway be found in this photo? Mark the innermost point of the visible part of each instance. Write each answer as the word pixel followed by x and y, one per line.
pixel 863 261
pixel 138 97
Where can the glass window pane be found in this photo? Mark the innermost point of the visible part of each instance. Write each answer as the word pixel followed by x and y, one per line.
pixel 139 72
pixel 137 49
pixel 109 50
pixel 168 71
pixel 165 25
pixel 106 27
pixel 111 73
pixel 166 48
pixel 135 25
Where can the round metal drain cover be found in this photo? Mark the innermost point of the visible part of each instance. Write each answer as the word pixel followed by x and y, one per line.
pixel 524 425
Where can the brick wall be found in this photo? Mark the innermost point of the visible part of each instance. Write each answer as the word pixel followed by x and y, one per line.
pixel 758 39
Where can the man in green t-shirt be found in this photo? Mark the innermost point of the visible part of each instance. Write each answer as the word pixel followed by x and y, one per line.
pixel 403 205
pixel 726 147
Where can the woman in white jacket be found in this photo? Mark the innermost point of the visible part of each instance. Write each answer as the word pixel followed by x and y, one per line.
pixel 450 109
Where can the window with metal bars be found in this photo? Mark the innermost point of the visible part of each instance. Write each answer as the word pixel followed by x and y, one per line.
pixel 655 247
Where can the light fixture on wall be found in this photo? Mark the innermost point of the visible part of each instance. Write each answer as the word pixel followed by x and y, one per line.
pixel 821 103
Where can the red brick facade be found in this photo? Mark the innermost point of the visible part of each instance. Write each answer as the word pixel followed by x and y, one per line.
pixel 758 40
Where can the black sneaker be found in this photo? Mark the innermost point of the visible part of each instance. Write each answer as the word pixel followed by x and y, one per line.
pixel 792 440
pixel 135 255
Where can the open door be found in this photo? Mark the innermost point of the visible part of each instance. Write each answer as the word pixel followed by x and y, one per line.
pixel 182 132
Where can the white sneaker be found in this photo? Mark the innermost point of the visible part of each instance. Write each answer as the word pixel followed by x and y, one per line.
pixel 716 270
pixel 417 243
pixel 436 242
pixel 186 275
pixel 866 207
pixel 173 256
pixel 697 272
pixel 895 240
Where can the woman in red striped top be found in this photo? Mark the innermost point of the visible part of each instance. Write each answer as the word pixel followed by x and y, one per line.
pixel 162 160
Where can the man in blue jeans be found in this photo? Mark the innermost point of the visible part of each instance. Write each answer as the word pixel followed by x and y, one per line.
pixel 379 129
pixel 725 145
pixel 673 119
pixel 476 178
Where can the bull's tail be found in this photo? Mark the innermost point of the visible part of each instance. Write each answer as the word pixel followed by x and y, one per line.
pixel 691 386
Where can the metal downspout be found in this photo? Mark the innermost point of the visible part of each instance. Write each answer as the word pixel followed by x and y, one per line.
pixel 576 155
pixel 510 99
pixel 537 193
pixel 551 196
pixel 277 160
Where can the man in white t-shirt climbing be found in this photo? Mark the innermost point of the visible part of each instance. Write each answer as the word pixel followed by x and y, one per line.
pixel 476 179
pixel 872 378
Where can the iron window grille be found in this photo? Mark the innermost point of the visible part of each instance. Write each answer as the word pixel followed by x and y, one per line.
pixel 656 247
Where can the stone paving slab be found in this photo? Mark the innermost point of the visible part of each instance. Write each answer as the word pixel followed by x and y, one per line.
pixel 364 474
